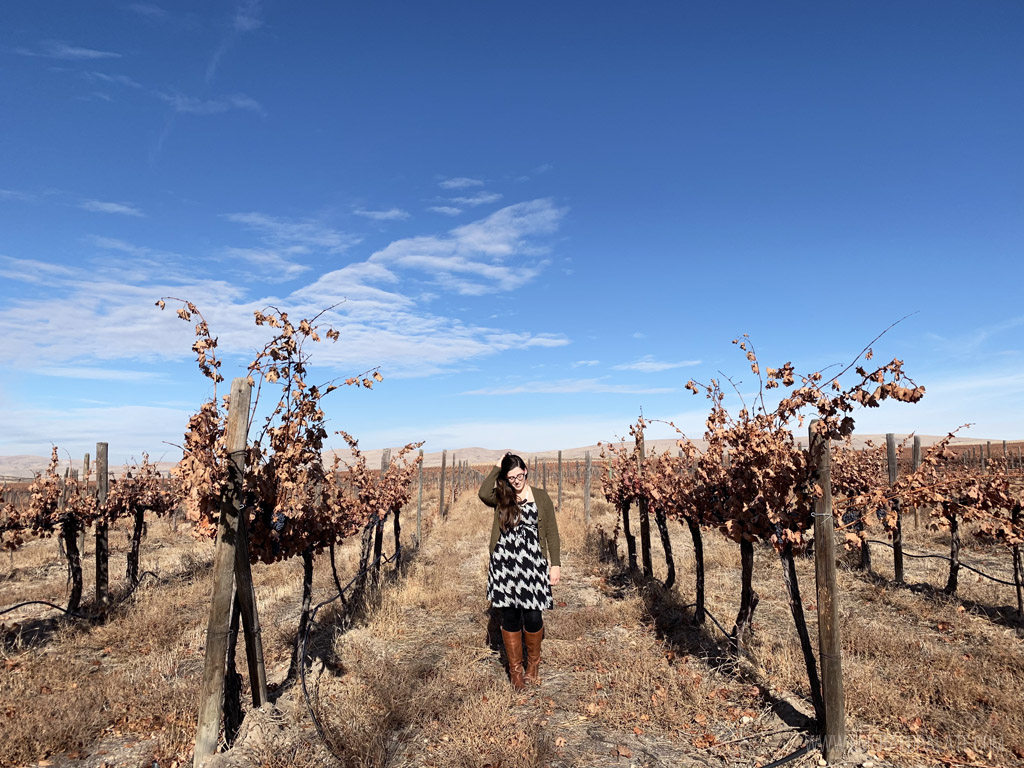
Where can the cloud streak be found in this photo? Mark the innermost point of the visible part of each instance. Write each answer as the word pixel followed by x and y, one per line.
pixel 195 106
pixel 58 49
pixel 647 364
pixel 474 259
pixel 101 206
pixel 480 198
pixel 460 182
pixel 391 214
pixel 571 387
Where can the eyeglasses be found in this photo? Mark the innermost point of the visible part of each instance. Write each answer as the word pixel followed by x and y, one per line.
pixel 516 478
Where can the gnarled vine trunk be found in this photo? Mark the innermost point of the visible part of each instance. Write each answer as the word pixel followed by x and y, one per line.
pixel 1018 576
pixel 666 544
pixel 748 597
pixel 138 531
pixel 69 531
pixel 630 538
pixel 954 552
pixel 307 599
pixel 796 607
pixel 698 559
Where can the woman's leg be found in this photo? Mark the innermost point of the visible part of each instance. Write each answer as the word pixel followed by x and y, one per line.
pixel 512 636
pixel 512 619
pixel 533 623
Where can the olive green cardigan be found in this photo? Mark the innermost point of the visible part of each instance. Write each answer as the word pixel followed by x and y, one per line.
pixel 547 526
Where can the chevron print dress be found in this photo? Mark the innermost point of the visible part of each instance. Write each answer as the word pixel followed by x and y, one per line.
pixel 518 574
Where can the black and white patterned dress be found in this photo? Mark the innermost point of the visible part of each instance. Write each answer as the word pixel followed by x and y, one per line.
pixel 518 573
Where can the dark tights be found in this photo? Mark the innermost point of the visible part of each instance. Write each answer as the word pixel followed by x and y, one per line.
pixel 516 619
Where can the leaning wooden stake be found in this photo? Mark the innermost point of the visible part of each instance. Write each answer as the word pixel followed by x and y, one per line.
pixel 224 567
pixel 917 466
pixel 102 543
pixel 897 535
pixel 829 646
pixel 559 507
pixel 85 489
pixel 586 490
pixel 419 504
pixel 444 461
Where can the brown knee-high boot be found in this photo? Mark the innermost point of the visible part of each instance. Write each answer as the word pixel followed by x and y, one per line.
pixel 514 650
pixel 533 655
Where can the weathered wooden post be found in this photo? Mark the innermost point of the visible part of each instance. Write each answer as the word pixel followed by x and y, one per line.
pixel 559 507
pixel 917 466
pixel 829 646
pixel 444 462
pixel 586 489
pixel 102 542
pixel 419 504
pixel 455 477
pixel 232 545
pixel 378 531
pixel 85 489
pixel 897 535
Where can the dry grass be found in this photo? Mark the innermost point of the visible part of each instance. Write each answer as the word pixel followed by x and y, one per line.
pixel 420 681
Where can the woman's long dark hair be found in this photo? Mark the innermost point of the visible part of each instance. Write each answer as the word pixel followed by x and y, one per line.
pixel 508 508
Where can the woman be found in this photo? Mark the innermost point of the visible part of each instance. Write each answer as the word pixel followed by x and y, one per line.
pixel 524 564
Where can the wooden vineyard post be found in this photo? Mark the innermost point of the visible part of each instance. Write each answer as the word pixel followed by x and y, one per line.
pixel 378 531
pixel 897 535
pixel 455 477
pixel 544 475
pixel 444 462
pixel 829 646
pixel 559 507
pixel 917 466
pixel 419 504
pixel 586 489
pixel 245 594
pixel 102 542
pixel 227 564
pixel 85 489
pixel 645 518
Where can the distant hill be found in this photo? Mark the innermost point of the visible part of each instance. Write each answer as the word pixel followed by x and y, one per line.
pixel 26 466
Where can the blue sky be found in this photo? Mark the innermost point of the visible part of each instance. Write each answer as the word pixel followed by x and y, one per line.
pixel 542 217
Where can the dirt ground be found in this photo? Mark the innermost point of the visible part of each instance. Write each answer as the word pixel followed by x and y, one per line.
pixel 419 680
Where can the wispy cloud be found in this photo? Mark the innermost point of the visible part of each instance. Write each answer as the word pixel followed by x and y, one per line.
pixel 102 77
pixel 32 270
pixel 460 182
pixel 377 304
pixel 149 10
pixel 247 17
pixel 305 234
pixel 101 206
pixel 447 210
pixel 392 214
pixel 13 194
pixel 272 263
pixel 471 259
pixel 569 387
pixel 647 364
pixel 95 373
pixel 57 49
pixel 585 363
pixel 196 106
pixel 480 198
pixel 972 342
